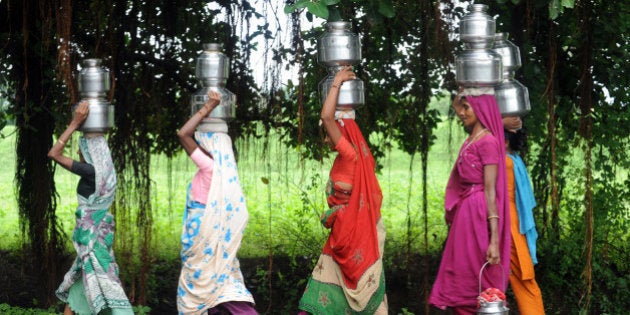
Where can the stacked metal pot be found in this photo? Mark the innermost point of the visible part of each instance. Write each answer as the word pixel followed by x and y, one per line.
pixel 212 72
pixel 512 96
pixel 478 65
pixel 336 48
pixel 94 83
pixel 490 60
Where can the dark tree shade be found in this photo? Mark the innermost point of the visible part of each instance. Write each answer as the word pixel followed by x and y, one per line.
pixel 28 64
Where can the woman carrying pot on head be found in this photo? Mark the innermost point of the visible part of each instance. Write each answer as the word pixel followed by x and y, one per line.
pixel 476 206
pixel 523 227
pixel 214 221
pixel 349 276
pixel 92 285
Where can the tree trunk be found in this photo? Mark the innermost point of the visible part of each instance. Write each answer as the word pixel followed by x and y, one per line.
pixel 33 60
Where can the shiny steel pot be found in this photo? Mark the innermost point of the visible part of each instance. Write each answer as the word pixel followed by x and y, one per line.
pixel 510 54
pixel 100 117
pixel 212 71
pixel 212 66
pixel 338 46
pixel 226 109
pixel 512 98
pixel 477 28
pixel 93 79
pixel 351 93
pixel 94 83
pixel 493 308
pixel 478 67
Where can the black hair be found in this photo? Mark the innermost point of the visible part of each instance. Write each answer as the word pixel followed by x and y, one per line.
pixel 517 140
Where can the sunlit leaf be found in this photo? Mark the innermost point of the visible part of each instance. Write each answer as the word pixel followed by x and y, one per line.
pixel 568 3
pixel 289 9
pixel 318 9
pixel 553 9
pixel 300 4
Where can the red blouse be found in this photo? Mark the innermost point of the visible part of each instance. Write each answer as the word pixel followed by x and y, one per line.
pixel 342 171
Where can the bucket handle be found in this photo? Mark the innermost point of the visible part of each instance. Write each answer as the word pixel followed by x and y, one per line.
pixel 481 272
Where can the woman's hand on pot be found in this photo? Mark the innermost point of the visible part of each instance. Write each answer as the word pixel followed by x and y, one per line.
pixel 214 98
pixel 81 113
pixel 512 123
pixel 343 75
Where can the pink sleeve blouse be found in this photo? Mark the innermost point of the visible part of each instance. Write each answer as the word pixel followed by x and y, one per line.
pixel 202 179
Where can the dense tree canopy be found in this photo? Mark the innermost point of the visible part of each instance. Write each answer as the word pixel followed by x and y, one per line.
pixel 575 56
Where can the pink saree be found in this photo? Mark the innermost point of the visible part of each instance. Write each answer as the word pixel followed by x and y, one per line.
pixel 457 282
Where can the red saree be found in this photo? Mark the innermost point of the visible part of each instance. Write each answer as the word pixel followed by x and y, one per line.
pixel 349 278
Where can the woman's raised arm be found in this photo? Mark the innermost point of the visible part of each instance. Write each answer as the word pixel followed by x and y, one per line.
pixel 330 104
pixel 56 152
pixel 185 133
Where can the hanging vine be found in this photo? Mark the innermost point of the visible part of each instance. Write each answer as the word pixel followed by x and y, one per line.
pixel 586 126
pixel 551 131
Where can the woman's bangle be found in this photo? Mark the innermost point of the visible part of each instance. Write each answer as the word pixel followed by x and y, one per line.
pixel 61 141
pixel 493 217
pixel 334 86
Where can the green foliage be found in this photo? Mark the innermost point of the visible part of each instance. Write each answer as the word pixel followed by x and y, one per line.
pixel 556 7
pixel 330 8
pixel 405 311
pixel 5 114
pixel 15 310
pixel 141 310
pixel 287 276
pixel 561 269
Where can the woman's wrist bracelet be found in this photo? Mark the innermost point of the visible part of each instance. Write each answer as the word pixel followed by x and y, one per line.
pixel 334 86
pixel 61 141
pixel 493 217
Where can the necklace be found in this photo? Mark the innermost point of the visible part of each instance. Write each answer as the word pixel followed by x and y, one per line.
pixel 470 141
pixel 475 136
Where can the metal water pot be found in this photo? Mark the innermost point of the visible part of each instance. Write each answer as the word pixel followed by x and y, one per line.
pixel 351 93
pixel 491 308
pixel 512 98
pixel 226 109
pixel 212 66
pixel 100 117
pixel 93 79
pixel 510 54
pixel 212 71
pixel 477 28
pixel 338 46
pixel 478 67
pixel 94 83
